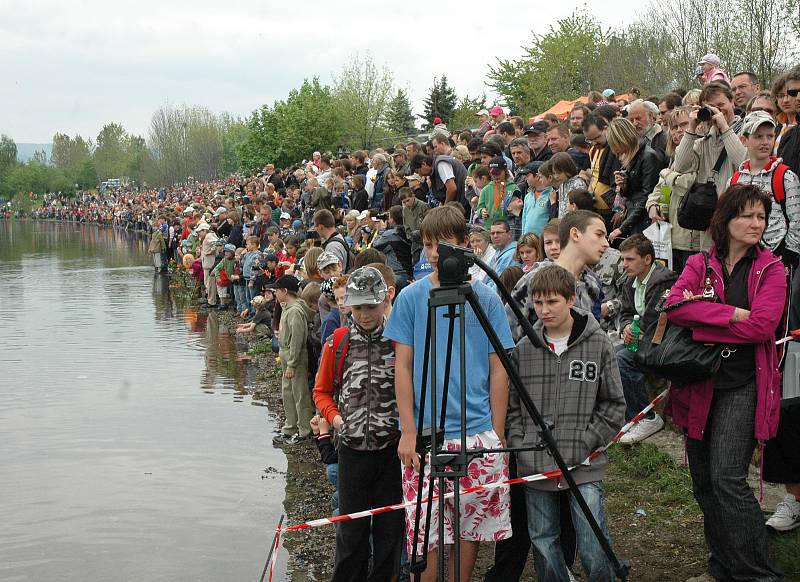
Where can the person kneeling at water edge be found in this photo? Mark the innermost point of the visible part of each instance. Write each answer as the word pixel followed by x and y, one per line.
pixel 573 379
pixel 360 404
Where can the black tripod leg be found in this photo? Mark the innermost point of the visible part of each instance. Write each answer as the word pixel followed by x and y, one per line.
pixel 620 569
pixel 451 314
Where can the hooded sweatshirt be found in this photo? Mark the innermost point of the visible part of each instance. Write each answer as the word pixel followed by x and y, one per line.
pixel 579 393
pixel 294 333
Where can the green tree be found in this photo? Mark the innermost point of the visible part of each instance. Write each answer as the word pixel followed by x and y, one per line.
pixel 235 132
pixel 37 178
pixel 111 154
pixel 68 152
pixel 399 118
pixel 361 95
pixel 440 102
pixel 561 64
pixel 8 155
pixel 464 116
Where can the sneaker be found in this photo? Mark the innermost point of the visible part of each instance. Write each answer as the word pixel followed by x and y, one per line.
pixel 786 516
pixel 643 429
pixel 282 439
pixel 297 438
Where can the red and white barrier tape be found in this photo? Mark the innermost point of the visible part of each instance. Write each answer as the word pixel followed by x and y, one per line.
pixel 528 479
pixel 274 559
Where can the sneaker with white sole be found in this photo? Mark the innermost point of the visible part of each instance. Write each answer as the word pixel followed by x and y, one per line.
pixel 786 516
pixel 643 429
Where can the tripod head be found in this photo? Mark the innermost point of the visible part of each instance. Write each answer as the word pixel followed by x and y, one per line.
pixel 454 264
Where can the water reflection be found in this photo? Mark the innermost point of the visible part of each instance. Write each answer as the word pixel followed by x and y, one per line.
pixel 114 465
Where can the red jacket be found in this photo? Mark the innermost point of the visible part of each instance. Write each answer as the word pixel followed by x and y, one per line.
pixel 690 404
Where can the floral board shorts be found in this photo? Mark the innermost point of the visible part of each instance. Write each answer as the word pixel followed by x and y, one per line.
pixel 484 515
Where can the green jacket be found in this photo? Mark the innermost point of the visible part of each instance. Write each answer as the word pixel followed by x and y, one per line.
pixel 486 200
pixel 226 265
pixel 157 243
pixel 294 333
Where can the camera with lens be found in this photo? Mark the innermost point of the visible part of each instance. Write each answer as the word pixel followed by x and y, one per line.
pixel 454 264
pixel 704 114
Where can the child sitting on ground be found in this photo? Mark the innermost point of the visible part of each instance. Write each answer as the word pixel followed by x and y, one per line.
pixel 572 377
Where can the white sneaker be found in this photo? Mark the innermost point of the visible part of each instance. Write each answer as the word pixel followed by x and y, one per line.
pixel 643 429
pixel 786 516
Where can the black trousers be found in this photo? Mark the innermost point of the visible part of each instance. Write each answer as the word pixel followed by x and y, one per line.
pixel 732 519
pixel 511 555
pixel 368 479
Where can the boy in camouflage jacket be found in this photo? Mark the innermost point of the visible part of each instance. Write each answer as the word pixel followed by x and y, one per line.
pixel 354 392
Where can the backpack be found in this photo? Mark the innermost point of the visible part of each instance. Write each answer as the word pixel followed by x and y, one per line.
pixel 313 344
pixel 778 185
pixel 350 256
pixel 341 345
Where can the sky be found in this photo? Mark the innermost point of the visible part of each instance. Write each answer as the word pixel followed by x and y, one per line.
pixel 71 67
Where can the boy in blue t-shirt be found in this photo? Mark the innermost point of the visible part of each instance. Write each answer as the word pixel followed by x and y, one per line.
pixel 484 515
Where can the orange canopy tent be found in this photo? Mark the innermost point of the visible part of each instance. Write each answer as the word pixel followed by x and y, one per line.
pixel 563 107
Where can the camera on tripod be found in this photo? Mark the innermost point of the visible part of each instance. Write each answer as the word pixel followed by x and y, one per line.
pixel 454 264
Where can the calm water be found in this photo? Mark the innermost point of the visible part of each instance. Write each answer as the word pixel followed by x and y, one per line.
pixel 128 449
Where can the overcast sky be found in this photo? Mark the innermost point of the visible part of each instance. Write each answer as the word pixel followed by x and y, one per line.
pixel 73 66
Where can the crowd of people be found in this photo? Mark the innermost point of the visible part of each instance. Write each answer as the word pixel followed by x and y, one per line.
pixel 334 259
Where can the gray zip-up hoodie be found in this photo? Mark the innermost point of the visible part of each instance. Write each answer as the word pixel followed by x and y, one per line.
pixel 579 393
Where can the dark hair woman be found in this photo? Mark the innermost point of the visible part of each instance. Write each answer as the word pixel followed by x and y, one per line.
pixel 726 415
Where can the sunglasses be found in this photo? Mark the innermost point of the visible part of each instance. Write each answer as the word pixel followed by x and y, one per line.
pixel 792 92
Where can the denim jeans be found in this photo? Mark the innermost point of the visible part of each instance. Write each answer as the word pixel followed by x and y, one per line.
pixel 240 297
pixel 732 519
pixel 633 384
pixel 251 294
pixel 332 471
pixel 545 531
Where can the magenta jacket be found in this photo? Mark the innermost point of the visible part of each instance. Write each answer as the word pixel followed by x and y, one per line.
pixel 690 404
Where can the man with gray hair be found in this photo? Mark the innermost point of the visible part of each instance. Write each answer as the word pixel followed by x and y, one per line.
pixel 521 156
pixel 642 114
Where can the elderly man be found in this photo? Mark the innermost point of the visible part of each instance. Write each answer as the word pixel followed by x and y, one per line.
pixel 537 140
pixel 521 155
pixel 745 86
pixel 642 114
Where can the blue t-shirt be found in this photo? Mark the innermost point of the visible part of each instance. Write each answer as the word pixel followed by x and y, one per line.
pixel 536 212
pixel 407 324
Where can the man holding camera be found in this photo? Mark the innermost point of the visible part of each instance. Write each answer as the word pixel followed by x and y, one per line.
pixel 711 145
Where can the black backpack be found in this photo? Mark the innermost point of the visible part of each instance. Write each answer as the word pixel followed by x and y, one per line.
pixel 338 238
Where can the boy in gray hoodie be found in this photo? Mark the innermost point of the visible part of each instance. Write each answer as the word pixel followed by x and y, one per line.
pixel 572 377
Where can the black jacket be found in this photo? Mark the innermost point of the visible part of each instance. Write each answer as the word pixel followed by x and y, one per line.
pixel 360 200
pixel 660 281
pixel 789 149
pixel 393 243
pixel 642 180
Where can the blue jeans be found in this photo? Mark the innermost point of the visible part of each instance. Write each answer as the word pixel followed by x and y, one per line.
pixel 251 294
pixel 544 531
pixel 240 297
pixel 633 384
pixel 332 471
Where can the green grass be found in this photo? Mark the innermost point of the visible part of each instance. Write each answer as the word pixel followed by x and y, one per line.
pixel 261 348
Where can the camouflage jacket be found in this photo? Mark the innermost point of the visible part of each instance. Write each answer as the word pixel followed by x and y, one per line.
pixel 366 400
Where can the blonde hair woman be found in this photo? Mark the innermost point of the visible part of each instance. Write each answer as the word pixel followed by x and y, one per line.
pixel 635 181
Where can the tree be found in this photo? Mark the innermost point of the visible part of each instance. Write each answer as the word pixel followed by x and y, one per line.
pixel 68 152
pixel 361 94
pixel 464 116
pixel 399 118
pixel 8 155
pixel 111 154
pixel 440 102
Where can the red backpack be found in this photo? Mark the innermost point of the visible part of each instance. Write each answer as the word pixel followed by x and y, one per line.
pixel 341 345
pixel 778 187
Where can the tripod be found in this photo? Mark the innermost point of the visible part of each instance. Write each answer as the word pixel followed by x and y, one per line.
pixel 445 465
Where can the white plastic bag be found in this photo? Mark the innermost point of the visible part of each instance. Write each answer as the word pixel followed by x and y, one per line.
pixel 660 234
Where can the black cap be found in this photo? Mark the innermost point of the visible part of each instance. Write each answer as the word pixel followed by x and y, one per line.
pixel 538 127
pixel 286 282
pixel 498 163
pixel 531 167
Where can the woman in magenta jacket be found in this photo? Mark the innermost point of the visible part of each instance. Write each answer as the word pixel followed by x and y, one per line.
pixel 725 416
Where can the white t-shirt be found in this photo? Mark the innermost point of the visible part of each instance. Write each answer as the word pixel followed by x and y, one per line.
pixel 369 184
pixel 557 344
pixel 445 171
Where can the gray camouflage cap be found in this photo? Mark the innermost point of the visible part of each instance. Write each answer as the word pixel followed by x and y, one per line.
pixel 366 286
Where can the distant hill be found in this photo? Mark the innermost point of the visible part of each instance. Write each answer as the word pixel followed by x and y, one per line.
pixel 25 151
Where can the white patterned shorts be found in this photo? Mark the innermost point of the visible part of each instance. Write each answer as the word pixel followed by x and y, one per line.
pixel 484 515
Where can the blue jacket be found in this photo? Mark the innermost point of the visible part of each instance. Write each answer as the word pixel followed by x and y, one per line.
pixel 502 260
pixel 536 212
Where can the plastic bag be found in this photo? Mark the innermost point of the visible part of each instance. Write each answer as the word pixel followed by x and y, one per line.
pixel 660 234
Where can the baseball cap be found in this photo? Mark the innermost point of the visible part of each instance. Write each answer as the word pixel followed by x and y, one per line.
pixel 229 248
pixel 202 226
pixel 326 259
pixel 437 120
pixel 365 286
pixel 755 120
pixel 711 59
pixel 416 177
pixel 497 163
pixel 399 153
pixel 297 223
pixel 286 216
pixel 482 112
pixel 286 282
pixel 496 110
pixel 531 167
pixel 537 127
pixel 220 210
pixel 188 210
pixel 363 215
pixel 608 93
pixel 267 258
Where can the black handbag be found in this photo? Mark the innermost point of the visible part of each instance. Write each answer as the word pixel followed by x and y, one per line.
pixel 669 351
pixel 699 203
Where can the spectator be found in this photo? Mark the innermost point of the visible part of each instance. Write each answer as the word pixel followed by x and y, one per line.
pixel 709 70
pixel 394 243
pixel 603 165
pixel 505 249
pixel 495 196
pixel 332 241
pixel 448 179
pixel 642 114
pixel 665 107
pixel 538 141
pixel 641 295
pixel 641 166
pixel 744 87
pixel 726 415
pixel 565 178
pixel 541 200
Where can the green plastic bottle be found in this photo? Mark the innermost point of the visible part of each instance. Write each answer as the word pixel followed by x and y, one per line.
pixel 636 331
